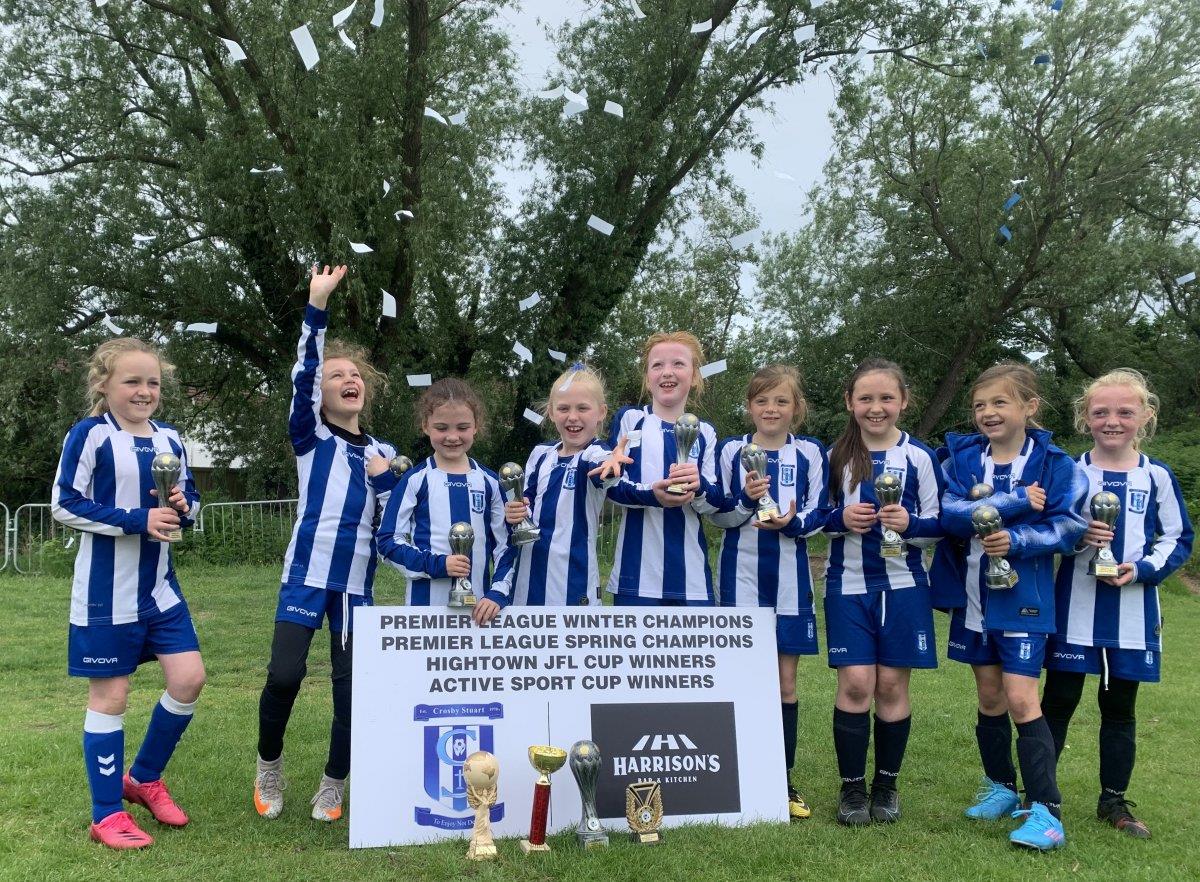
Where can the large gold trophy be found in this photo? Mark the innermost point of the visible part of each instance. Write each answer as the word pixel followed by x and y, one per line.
pixel 644 812
pixel 547 761
pixel 482 773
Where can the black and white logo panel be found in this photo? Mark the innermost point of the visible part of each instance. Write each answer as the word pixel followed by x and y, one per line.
pixel 690 748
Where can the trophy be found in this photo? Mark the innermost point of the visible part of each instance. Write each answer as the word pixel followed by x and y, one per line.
pixel 400 464
pixel 512 481
pixel 1106 507
pixel 754 459
pixel 481 772
pixel 1000 574
pixel 888 491
pixel 979 491
pixel 462 539
pixel 687 430
pixel 585 766
pixel 165 470
pixel 644 812
pixel 546 760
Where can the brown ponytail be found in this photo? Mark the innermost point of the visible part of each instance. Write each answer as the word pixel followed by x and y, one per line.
pixel 849 450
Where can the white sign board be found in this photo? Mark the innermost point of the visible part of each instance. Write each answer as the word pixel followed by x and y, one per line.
pixel 685 696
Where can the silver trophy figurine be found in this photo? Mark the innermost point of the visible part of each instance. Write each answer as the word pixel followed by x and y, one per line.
pixel 1106 508
pixel 754 459
pixel 980 491
pixel 462 540
pixel 585 761
pixel 165 470
pixel 1000 574
pixel 888 491
pixel 399 464
pixel 687 430
pixel 512 481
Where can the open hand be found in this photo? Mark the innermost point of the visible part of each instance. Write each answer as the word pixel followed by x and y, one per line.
pixel 322 283
pixel 485 610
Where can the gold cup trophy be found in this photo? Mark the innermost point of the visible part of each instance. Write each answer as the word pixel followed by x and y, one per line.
pixel 546 761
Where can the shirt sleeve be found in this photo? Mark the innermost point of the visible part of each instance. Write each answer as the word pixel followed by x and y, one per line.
pixel 69 503
pixel 1172 532
pixel 924 525
pixel 394 536
pixel 729 486
pixel 1060 524
pixel 305 413
pixel 187 484
pixel 814 513
pixel 504 555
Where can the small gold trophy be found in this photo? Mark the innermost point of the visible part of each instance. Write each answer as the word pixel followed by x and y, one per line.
pixel 1106 508
pixel 644 811
pixel 482 774
pixel 754 459
pixel 687 430
pixel 165 470
pixel 462 541
pixel 547 761
pixel 999 575
pixel 399 464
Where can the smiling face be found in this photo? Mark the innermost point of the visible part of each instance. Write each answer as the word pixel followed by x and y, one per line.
pixel 133 389
pixel 1000 415
pixel 876 403
pixel 343 392
pixel 1115 414
pixel 451 429
pixel 577 415
pixel 670 372
pixel 773 410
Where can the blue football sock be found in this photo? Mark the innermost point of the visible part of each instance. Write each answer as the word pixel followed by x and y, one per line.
pixel 167 723
pixel 104 757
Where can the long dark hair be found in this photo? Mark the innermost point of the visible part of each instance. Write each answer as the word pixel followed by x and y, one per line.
pixel 848 449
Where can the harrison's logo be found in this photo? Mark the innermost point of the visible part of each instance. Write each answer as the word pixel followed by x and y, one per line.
pixel 681 755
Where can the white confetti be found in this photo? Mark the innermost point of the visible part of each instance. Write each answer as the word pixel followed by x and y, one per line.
pixel 573 108
pixel 433 114
pixel 346 41
pixel 235 50
pixel 387 186
pixel 702 27
pixel 459 118
pixel 533 416
pixel 579 97
pixel 111 325
pixel 614 108
pixel 600 226
pixel 420 379
pixel 713 368
pixel 806 33
pixel 859 54
pixel 403 212
pixel 556 92
pixel 266 171
pixel 141 237
pixel 101 3
pixel 360 247
pixel 739 242
pixel 305 46
pixel 567 383
pixel 637 10
pixel 197 327
pixel 784 176
pixel 377 18
pixel 529 302
pixel 389 304
pixel 756 36
pixel 556 355
pixel 816 4
pixel 523 351
pixel 1183 280
pixel 1029 39
pixel 340 17
pixel 71 541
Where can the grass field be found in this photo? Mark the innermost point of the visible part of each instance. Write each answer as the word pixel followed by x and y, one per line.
pixel 45 805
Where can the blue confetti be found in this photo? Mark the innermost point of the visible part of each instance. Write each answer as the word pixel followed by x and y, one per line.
pixel 1003 235
pixel 1057 5
pixel 1012 200
pixel 1043 58
pixel 982 50
pixel 577 366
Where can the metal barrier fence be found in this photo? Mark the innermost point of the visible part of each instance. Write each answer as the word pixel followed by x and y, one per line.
pixel 7 537
pixel 38 538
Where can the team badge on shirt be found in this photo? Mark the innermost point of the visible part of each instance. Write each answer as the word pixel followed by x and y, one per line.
pixel 1137 501
pixel 477 501
pixel 897 471
pixel 569 479
pixel 787 476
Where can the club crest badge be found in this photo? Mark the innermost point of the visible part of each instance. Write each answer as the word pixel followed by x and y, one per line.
pixel 569 479
pixel 1138 500
pixel 787 476
pixel 477 500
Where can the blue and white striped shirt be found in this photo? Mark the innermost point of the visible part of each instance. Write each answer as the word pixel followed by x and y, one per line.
pixel 855 565
pixel 415 532
pixel 103 488
pixel 1153 532
pixel 333 539
pixel 770 567
pixel 661 552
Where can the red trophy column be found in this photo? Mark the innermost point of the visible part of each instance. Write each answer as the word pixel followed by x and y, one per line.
pixel 546 761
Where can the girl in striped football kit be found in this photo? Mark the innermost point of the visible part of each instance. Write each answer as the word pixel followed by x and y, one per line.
pixel 563 498
pixel 126 606
pixel 1000 628
pixel 329 568
pixel 662 554
pixel 878 615
pixel 448 488
pixel 765 562
pixel 1112 625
